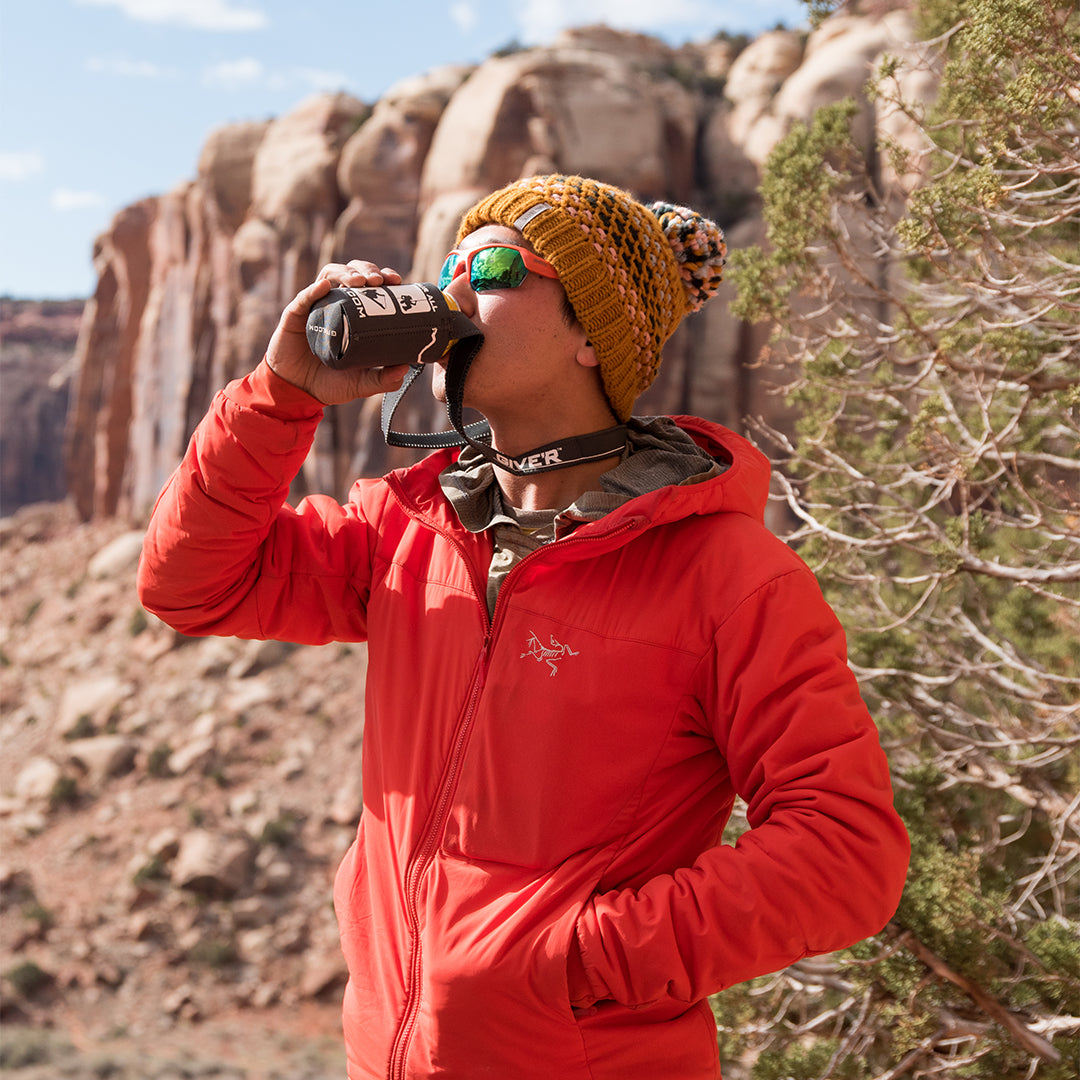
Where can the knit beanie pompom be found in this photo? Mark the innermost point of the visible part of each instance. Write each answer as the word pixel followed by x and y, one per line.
pixel 630 272
pixel 699 248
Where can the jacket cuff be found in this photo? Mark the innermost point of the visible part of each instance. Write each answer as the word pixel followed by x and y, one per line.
pixel 263 391
pixel 583 989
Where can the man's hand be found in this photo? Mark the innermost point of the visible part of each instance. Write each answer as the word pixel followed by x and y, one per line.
pixel 289 356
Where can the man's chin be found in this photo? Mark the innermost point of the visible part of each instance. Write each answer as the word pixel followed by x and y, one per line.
pixel 438 382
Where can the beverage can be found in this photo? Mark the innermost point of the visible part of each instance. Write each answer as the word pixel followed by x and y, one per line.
pixel 384 325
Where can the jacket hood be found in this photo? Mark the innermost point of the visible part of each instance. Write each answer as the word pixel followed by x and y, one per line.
pixel 743 487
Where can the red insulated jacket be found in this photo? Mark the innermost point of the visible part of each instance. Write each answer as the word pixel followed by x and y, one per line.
pixel 538 887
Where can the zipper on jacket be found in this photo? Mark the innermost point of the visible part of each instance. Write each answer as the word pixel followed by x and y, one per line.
pixel 425 853
pixel 429 842
pixel 504 591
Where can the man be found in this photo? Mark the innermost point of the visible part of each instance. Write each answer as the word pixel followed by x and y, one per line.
pixel 572 671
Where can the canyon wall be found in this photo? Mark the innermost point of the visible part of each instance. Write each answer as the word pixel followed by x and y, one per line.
pixel 191 284
pixel 36 367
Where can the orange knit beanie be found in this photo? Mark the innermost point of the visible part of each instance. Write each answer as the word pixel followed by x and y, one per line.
pixel 631 272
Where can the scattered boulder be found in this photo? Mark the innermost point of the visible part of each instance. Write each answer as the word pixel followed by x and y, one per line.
pixel 213 864
pixel 37 780
pixel 103 757
pixel 258 656
pixel 88 702
pixel 323 973
pixel 196 755
pixel 119 556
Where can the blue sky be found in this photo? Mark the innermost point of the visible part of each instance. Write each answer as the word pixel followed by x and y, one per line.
pixel 103 102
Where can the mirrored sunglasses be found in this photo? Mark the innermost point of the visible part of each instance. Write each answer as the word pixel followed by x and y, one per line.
pixel 494 266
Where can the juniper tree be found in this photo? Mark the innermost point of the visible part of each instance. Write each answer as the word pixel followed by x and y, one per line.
pixel 930 340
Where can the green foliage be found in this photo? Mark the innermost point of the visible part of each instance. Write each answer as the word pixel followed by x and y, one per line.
pixel 83 728
pixel 691 78
pixel 820 10
pixel 280 831
pixel 932 342
pixel 23 1047
pixel 138 622
pixel 773 1021
pixel 65 792
pixel 948 905
pixel 28 978
pixel 807 1062
pixel 734 1011
pixel 36 912
pixel 213 952
pixel 738 42
pixel 157 761
pixel 511 48
pixel 154 869
pixel 808 166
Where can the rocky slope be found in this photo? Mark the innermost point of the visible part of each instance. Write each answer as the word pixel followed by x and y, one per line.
pixel 171 814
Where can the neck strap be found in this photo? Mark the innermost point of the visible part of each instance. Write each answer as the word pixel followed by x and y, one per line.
pixel 575 450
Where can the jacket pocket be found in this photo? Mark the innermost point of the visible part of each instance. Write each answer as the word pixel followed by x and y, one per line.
pixel 494 947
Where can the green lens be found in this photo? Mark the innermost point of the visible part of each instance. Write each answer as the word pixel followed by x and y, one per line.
pixel 497 268
pixel 446 274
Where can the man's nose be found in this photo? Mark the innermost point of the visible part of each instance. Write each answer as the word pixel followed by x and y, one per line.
pixel 459 288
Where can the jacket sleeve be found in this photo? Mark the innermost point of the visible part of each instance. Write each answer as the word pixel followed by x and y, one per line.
pixel 224 554
pixel 824 862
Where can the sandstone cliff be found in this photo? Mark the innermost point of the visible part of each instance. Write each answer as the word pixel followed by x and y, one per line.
pixel 190 284
pixel 37 339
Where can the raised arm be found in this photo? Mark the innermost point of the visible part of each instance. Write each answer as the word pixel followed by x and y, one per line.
pixel 224 554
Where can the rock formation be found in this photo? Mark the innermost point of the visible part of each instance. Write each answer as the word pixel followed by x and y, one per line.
pixel 190 285
pixel 37 338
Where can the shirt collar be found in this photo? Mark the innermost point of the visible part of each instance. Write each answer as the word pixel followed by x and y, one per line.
pixel 659 453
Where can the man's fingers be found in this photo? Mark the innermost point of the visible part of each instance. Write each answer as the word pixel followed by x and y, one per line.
pixel 381 380
pixel 291 358
pixel 294 317
pixel 358 273
pixel 390 378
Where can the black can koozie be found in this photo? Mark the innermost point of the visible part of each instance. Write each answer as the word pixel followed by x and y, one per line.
pixel 383 325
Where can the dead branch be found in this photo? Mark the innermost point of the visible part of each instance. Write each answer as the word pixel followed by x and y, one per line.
pixel 1016 1028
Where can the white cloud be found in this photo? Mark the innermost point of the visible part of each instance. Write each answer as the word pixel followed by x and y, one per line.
pixel 464 16
pixel 64 199
pixel 540 20
pixel 20 164
pixel 243 72
pixel 200 14
pixel 249 72
pixel 129 69
pixel 321 80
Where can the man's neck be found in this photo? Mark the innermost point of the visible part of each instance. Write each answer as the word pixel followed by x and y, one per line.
pixel 553 490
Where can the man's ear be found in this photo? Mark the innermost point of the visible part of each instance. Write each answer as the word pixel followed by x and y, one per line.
pixel 586 356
